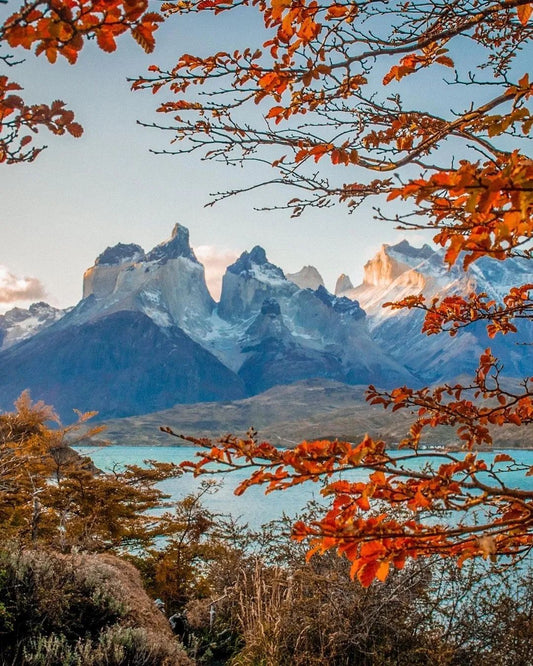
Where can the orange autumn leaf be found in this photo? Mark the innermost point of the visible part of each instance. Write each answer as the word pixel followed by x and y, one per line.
pixel 524 13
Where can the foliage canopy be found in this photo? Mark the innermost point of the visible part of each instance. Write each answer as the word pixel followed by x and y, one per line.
pixel 330 89
pixel 50 494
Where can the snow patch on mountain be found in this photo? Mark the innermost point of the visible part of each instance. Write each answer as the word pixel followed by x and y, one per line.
pixel 399 271
pixel 20 323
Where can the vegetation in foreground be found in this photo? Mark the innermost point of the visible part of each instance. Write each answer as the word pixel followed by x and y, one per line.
pixel 270 608
pixel 79 575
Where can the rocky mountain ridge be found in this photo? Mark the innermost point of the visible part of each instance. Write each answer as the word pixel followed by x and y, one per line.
pixel 20 323
pixel 148 335
pixel 401 270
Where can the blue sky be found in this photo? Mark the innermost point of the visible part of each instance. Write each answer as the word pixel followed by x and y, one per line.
pixel 82 195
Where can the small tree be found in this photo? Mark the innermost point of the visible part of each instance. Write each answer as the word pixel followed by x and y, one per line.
pixel 332 90
pixel 51 494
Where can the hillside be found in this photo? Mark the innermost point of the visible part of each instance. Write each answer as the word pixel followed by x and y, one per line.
pixel 286 415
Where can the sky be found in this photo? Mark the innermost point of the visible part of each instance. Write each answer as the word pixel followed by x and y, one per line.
pixel 83 195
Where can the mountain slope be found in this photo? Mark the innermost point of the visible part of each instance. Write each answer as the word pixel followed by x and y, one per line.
pixel 118 365
pixel 147 335
pixel 286 415
pixel 400 270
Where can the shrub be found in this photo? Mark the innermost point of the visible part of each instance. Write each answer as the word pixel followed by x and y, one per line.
pixel 84 610
pixel 116 646
pixel 272 608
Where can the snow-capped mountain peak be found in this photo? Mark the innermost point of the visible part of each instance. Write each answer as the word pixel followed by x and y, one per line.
pixel 147 334
pixel 167 283
pixel 19 323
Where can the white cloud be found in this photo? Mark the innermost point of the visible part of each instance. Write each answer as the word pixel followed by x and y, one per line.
pixel 215 260
pixel 13 288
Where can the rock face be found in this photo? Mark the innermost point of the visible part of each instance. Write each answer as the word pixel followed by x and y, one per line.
pixel 120 254
pixel 401 270
pixel 248 282
pixel 167 284
pixel 306 278
pixel 147 335
pixel 343 284
pixel 274 356
pixel 283 333
pixel 177 246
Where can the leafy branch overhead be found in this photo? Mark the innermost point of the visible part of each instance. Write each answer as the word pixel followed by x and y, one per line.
pixel 424 104
pixel 59 28
pixel 330 100
pixel 335 83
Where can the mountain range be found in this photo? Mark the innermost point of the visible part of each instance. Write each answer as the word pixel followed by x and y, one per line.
pixel 147 334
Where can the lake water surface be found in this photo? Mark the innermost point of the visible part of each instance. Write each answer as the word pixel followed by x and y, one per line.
pixel 254 507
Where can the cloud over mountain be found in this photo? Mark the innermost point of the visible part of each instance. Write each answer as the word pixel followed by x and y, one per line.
pixel 215 261
pixel 14 288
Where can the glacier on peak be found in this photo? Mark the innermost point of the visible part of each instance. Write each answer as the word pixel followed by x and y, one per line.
pixel 397 271
pixel 285 332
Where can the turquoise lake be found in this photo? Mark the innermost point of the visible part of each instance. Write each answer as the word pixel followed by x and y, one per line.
pixel 254 507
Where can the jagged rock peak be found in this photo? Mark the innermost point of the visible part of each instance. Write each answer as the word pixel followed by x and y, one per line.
pixel 408 250
pixel 257 256
pixel 342 305
pixel 177 246
pixel 18 324
pixel 120 254
pixel 306 278
pixel 393 261
pixel 40 310
pixel 343 284
pixel 255 264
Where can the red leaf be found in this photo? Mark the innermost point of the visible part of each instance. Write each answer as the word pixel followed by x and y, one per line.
pixel 503 457
pixel 75 129
pixel 368 572
pixel 106 41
